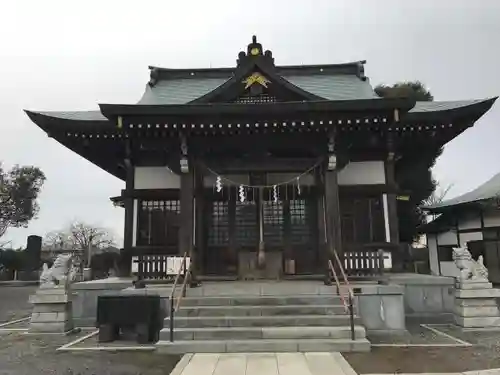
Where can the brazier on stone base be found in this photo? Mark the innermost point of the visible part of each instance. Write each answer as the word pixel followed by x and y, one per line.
pixel 52 311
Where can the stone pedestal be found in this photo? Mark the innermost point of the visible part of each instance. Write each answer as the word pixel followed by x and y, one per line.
pixel 475 304
pixel 52 311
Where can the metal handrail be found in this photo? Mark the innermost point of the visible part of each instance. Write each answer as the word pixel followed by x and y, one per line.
pixel 186 272
pixel 342 271
pixel 348 306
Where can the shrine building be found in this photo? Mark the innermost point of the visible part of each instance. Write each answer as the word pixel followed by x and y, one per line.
pixel 285 164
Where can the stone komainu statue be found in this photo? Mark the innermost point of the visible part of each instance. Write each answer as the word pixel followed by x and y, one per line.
pixel 60 275
pixel 469 268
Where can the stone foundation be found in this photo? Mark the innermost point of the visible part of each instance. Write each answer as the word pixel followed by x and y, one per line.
pixel 475 304
pixel 52 311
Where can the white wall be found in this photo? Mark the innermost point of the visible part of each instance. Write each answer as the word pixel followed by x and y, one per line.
pixel 470 221
pixel 491 218
pixel 472 236
pixel 387 226
pixel 433 254
pixel 134 223
pixel 447 238
pixel 362 173
pixel 156 178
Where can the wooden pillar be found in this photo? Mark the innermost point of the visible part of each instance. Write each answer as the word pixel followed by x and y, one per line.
pixel 333 230
pixel 322 238
pixel 287 233
pixel 199 221
pixel 392 203
pixel 186 230
pixel 128 235
pixel 390 200
pixel 332 206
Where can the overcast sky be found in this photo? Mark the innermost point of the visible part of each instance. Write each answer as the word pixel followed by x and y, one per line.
pixel 71 55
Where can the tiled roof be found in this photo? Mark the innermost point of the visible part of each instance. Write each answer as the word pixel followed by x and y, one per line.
pixel 179 91
pixel 443 106
pixel 490 189
pixel 330 87
pixel 334 87
pixel 77 115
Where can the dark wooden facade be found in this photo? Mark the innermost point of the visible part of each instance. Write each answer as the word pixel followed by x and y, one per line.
pixel 255 124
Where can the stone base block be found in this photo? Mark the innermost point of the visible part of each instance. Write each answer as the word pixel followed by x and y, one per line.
pixel 51 317
pixel 476 311
pixel 476 302
pixel 52 311
pixel 473 322
pixel 45 297
pixel 52 308
pixel 51 327
pixel 473 285
pixel 477 293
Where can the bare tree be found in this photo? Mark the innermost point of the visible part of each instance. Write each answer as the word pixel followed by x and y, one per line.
pixel 79 236
pixel 438 196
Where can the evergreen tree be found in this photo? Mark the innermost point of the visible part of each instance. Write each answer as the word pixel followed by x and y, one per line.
pixel 413 172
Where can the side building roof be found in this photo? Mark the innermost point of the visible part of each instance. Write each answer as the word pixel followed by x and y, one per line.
pixel 490 189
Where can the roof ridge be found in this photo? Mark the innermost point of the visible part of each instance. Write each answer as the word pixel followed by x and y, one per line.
pixel 291 66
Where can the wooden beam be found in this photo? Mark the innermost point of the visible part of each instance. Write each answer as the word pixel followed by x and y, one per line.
pixel 200 219
pixel 322 237
pixel 295 165
pixel 186 200
pixel 332 206
pixel 128 229
pixel 333 229
pixel 392 204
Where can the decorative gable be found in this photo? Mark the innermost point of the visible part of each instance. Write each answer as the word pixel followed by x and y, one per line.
pixel 255 81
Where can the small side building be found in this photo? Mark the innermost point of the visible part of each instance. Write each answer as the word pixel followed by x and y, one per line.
pixel 472 219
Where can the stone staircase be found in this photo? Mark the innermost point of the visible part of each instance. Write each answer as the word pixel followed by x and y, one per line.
pixel 276 323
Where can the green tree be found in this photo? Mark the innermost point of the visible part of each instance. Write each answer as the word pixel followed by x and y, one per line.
pixel 413 171
pixel 19 190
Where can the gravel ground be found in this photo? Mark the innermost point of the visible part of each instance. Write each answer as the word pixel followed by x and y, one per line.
pixel 393 360
pixel 416 335
pixel 484 354
pixel 22 354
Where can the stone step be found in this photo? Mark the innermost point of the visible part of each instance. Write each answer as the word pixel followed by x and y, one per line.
pixel 263 310
pixel 240 333
pixel 263 345
pixel 261 300
pixel 262 321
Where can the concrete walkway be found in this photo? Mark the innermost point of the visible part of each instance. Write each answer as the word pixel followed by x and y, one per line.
pixel 263 364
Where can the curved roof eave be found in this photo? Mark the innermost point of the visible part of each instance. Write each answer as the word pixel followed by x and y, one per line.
pixel 429 111
pixel 52 121
pixel 59 122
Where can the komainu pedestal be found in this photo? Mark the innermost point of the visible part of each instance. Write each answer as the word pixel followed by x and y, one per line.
pixel 52 311
pixel 52 307
pixel 475 297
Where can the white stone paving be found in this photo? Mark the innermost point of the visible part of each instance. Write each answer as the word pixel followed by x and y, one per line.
pixel 263 364
pixel 309 363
